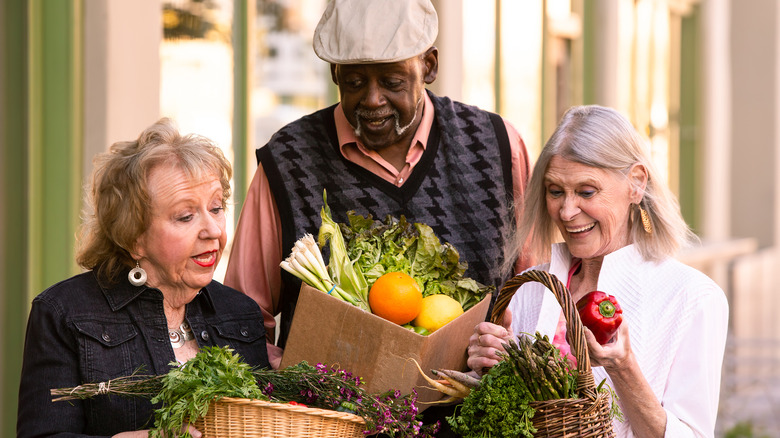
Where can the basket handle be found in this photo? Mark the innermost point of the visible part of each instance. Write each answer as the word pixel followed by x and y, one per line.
pixel 575 333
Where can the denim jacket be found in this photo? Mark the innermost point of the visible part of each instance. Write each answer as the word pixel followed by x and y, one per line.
pixel 81 331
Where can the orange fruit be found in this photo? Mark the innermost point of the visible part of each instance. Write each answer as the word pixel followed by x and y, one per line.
pixel 396 297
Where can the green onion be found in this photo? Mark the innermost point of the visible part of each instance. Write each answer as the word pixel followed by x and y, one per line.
pixel 306 263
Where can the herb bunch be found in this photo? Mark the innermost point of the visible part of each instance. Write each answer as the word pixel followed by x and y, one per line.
pixel 499 407
pixel 188 390
pixel 134 385
pixel 337 389
pixel 185 393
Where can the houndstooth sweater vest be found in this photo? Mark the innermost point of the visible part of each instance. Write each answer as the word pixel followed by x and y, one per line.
pixel 461 187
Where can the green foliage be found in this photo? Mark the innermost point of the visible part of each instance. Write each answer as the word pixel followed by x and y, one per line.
pixel 330 387
pixel 187 390
pixel 499 407
pixel 532 369
pixel 345 272
pixel 542 368
pixel 614 410
pixel 377 247
pixel 743 429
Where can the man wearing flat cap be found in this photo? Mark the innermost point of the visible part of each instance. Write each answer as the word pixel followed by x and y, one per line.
pixel 389 147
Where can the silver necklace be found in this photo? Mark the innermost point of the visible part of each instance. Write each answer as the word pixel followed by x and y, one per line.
pixel 181 335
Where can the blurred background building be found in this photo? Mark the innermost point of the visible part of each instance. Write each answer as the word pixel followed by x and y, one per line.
pixel 700 78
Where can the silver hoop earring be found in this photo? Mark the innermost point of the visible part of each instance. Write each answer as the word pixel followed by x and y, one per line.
pixel 137 275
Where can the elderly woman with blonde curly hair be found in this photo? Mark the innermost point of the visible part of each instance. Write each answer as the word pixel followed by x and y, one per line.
pixel 595 187
pixel 150 242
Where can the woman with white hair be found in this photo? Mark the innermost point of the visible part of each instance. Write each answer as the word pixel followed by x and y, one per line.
pixel 595 187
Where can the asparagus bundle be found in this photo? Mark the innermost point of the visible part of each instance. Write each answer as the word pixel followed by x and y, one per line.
pixel 541 368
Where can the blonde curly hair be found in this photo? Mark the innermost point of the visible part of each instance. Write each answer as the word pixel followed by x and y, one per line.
pixel 118 204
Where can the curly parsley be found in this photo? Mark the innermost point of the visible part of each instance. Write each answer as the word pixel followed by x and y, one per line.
pixel 498 408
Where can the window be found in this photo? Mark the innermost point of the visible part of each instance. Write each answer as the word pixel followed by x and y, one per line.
pixel 196 77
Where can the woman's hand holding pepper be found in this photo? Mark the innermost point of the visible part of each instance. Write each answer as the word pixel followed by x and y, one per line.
pixel 638 401
pixel 613 355
pixel 485 343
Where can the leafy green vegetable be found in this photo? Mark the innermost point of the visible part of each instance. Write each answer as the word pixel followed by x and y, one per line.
pixel 187 390
pixel 499 407
pixel 342 268
pixel 614 410
pixel 376 247
pixel 185 393
pixel 531 369
pixel 306 263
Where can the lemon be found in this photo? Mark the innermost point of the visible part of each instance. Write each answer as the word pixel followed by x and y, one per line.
pixel 437 310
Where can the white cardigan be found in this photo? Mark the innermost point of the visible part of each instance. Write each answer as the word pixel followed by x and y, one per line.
pixel 677 317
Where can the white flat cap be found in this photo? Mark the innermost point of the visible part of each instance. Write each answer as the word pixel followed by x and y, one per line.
pixel 375 31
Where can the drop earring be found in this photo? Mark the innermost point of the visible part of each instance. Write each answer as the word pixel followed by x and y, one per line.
pixel 646 224
pixel 137 275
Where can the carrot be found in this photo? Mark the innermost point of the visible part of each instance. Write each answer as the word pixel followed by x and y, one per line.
pixel 449 399
pixel 438 386
pixel 465 381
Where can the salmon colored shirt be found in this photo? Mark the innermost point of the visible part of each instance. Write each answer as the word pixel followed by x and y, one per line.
pixel 253 267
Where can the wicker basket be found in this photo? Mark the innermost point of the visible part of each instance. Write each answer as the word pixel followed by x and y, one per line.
pixel 244 418
pixel 583 417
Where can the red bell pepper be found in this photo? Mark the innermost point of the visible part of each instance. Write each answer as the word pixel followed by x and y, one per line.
pixel 601 313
